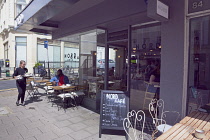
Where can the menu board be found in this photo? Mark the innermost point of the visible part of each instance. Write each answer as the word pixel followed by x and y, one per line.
pixel 114 108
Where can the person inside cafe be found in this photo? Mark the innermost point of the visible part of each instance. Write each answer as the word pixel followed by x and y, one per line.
pixel 60 79
pixel 149 69
pixel 155 76
pixel 111 73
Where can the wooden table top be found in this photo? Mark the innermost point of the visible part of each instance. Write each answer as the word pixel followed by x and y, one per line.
pixel 62 88
pixel 185 129
pixel 41 81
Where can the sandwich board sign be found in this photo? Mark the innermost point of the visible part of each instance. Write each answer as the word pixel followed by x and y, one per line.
pixel 114 109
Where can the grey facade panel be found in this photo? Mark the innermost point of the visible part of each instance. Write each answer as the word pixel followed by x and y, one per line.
pixel 172 58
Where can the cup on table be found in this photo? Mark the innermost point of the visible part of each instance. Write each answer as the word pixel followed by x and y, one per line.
pixel 199 133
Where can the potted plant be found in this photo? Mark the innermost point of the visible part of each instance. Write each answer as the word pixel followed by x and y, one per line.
pixel 36 67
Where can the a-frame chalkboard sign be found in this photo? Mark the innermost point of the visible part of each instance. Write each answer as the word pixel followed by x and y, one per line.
pixel 114 108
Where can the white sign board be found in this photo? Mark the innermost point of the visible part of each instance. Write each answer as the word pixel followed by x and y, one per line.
pixel 162 9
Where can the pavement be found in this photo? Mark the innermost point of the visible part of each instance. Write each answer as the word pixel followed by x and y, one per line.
pixel 38 120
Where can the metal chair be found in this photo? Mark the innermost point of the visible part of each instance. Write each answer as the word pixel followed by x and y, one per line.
pixel 150 93
pixel 79 94
pixel 66 98
pixel 49 91
pixel 31 89
pixel 156 109
pixel 196 98
pixel 129 124
pixel 93 89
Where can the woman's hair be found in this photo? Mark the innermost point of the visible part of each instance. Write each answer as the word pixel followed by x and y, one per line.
pixel 21 62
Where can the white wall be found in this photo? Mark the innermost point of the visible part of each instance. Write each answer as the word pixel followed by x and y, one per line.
pixel 7 14
pixel 1 48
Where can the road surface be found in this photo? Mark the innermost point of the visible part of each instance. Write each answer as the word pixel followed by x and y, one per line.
pixel 7 85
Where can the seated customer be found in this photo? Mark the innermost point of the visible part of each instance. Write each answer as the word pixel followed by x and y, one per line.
pixel 60 79
pixel 155 76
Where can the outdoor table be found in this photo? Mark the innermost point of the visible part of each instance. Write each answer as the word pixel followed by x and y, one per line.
pixel 62 87
pixel 185 129
pixel 41 81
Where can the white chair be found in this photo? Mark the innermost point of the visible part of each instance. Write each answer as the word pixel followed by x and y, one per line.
pixel 156 109
pixel 64 97
pixel 129 124
pixel 31 89
pixel 67 97
pixel 49 91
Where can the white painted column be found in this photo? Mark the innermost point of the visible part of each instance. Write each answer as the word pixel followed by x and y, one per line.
pixel 11 49
pixel 1 48
pixel 62 53
pixel 31 52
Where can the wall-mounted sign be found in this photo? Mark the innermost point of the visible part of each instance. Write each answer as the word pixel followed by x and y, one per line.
pixel 157 10
pixel 19 20
pixel 162 9
pixel 198 5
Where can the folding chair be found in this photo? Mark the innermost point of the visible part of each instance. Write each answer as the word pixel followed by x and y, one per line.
pixel 79 94
pixel 66 98
pixel 49 91
pixel 31 89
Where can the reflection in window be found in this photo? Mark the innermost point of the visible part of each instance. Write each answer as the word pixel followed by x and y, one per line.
pixel 145 65
pixel 199 63
pixel 53 52
pixel 20 5
pixel 71 55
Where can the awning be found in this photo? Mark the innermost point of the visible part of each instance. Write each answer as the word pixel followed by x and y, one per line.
pixel 66 17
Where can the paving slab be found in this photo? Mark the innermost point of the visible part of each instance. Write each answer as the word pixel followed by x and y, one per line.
pixel 38 120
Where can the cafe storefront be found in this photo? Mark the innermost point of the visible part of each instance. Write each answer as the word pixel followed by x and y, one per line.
pixel 121 42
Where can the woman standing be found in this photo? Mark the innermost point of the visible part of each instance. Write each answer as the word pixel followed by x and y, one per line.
pixel 21 81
